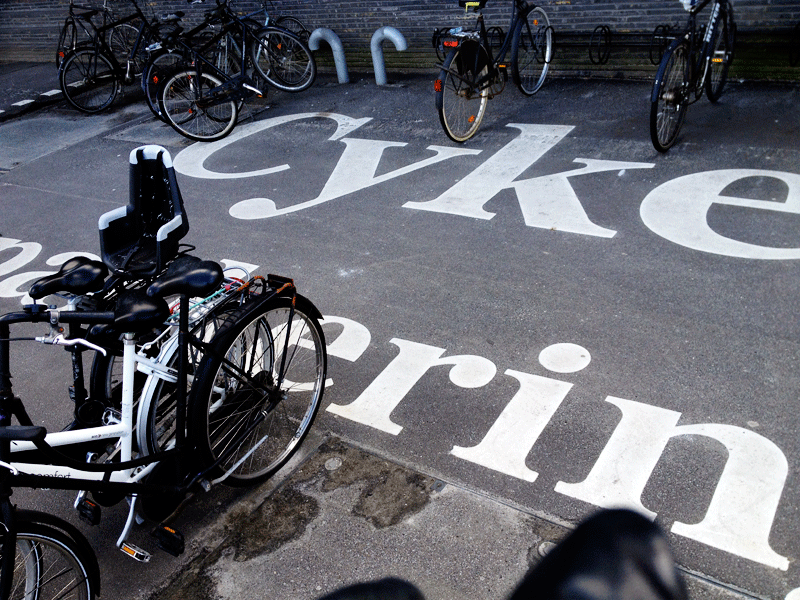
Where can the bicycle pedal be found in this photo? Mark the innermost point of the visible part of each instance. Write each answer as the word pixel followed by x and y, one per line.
pixel 169 540
pixel 135 552
pixel 88 511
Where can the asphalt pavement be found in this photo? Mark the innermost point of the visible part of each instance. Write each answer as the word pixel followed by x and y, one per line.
pixel 357 506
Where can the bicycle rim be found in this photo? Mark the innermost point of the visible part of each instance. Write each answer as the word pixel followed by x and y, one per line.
pixel 48 567
pixel 122 40
pixel 461 105
pixel 669 101
pixel 88 80
pixel 155 75
pixel 283 59
pixel 179 105
pixel 532 51
pixel 255 406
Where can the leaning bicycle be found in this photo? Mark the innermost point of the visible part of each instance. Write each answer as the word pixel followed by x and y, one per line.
pixel 473 73
pixel 201 101
pixel 93 72
pixel 697 61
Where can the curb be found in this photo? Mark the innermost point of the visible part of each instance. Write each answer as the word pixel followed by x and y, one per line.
pixel 24 106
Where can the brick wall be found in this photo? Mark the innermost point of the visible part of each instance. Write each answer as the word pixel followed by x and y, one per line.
pixel 29 28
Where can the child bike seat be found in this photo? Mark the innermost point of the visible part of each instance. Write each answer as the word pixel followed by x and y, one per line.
pixel 138 240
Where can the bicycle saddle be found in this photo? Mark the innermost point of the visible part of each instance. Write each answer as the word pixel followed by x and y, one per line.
pixel 78 275
pixel 136 312
pixel 187 275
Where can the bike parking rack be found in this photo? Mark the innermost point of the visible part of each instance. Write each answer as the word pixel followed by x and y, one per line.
pixel 384 33
pixel 600 41
pixel 339 60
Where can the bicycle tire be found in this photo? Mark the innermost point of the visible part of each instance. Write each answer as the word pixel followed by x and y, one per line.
pixel 121 39
pixel 178 104
pixel 67 40
pixel 532 50
pixel 283 59
pixel 461 106
pixel 266 370
pixel 720 55
pixel 294 25
pixel 88 80
pixel 156 71
pixel 156 417
pixel 669 99
pixel 50 564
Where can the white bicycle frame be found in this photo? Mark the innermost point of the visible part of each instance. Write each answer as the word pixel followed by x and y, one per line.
pixel 122 428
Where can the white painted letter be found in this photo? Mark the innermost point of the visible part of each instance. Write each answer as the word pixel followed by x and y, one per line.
pixel 621 472
pixel 740 515
pixel 510 439
pixel 375 405
pixel 677 210
pixel 27 252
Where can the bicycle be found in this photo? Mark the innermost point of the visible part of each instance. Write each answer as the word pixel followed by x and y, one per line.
pixel 697 60
pixel 174 51
pixel 92 74
pixel 78 28
pixel 253 398
pixel 472 73
pixel 201 101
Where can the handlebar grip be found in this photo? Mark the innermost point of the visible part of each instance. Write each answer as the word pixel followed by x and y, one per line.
pixel 78 316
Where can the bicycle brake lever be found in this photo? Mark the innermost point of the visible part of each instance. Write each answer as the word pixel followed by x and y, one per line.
pixel 60 340
pixel 9 467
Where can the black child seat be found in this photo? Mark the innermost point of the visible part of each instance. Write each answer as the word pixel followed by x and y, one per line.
pixel 138 240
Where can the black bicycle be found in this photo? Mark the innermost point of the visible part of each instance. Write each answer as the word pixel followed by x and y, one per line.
pixel 472 73
pixel 697 60
pixel 218 38
pixel 93 72
pixel 201 101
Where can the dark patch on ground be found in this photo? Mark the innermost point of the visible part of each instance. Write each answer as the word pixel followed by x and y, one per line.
pixel 283 517
pixel 389 493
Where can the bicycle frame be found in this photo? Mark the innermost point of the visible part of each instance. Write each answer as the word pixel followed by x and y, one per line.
pixel 126 476
pixel 700 57
pixel 481 37
pixel 230 23
pixel 101 44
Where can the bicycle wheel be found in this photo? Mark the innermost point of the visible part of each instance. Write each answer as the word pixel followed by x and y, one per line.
pixel 720 55
pixel 295 26
pixel 532 49
pixel 67 40
pixel 88 80
pixel 460 101
pixel 158 68
pixel 282 59
pixel 156 418
pixel 49 564
pixel 262 382
pixel 122 39
pixel 190 109
pixel 669 100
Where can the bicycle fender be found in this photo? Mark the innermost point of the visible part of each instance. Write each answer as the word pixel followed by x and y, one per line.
pixel 660 72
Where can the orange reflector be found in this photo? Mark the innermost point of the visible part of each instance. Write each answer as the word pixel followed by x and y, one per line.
pixel 536 21
pixel 450 43
pixel 438 86
pixel 716 60
pixel 471 119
